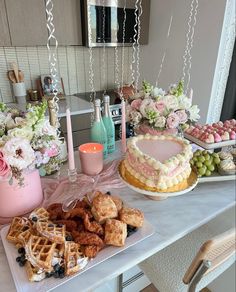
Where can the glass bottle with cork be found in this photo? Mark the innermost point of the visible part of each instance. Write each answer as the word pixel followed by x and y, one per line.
pixel 98 130
pixel 109 125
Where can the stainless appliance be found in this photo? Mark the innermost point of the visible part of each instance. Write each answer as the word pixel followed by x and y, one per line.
pixel 113 10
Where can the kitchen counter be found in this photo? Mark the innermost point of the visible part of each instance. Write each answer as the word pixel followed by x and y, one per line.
pixel 77 105
pixel 172 218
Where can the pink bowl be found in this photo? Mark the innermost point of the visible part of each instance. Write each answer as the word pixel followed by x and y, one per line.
pixel 16 200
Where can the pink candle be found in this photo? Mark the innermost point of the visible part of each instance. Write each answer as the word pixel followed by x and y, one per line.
pixel 91 158
pixel 71 158
pixel 123 126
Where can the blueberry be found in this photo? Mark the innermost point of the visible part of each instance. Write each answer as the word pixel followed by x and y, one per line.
pixel 35 219
pixel 22 263
pixel 62 275
pixel 48 275
pixel 61 270
pixel 108 193
pixel 69 238
pixel 21 250
pixel 57 267
pixel 50 225
pixel 59 225
pixel 130 230
pixel 56 275
pixel 22 257
pixel 18 259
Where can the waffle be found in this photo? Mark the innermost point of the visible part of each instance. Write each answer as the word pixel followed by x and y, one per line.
pixel 54 232
pixel 34 274
pixel 39 214
pixel 58 254
pixel 39 251
pixel 18 226
pixel 73 255
pixel 24 237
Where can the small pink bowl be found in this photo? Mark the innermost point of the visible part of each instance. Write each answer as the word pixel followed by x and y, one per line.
pixel 91 158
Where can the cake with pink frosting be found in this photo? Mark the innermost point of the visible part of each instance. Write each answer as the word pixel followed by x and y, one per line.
pixel 158 161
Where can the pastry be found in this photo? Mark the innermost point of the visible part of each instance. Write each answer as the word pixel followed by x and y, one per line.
pixel 227 165
pixel 115 232
pixel 158 161
pixel 225 155
pixel 103 208
pixel 118 202
pixel 131 216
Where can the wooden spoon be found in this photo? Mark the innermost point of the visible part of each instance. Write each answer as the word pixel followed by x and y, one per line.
pixel 15 69
pixel 11 76
pixel 21 76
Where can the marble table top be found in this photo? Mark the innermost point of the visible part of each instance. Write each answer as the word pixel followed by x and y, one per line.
pixel 172 218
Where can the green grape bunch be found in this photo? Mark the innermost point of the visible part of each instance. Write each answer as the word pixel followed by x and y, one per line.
pixel 204 162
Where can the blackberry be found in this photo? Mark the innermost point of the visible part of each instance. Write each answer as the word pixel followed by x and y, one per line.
pixel 21 250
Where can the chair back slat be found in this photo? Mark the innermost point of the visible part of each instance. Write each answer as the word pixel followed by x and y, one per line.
pixel 216 250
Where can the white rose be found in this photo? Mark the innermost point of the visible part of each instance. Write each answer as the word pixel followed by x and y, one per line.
pixel 158 92
pixel 193 113
pixel 184 102
pixel 160 122
pixel 44 128
pixel 25 132
pixel 171 102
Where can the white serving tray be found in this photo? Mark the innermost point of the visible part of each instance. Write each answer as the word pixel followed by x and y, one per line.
pixel 216 177
pixel 209 146
pixel 19 273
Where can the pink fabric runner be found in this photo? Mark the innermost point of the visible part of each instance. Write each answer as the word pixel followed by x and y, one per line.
pixel 54 190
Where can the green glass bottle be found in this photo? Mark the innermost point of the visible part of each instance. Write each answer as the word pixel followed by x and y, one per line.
pixel 109 125
pixel 98 131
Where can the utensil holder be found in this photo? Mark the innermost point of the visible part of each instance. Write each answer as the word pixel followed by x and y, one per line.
pixel 19 92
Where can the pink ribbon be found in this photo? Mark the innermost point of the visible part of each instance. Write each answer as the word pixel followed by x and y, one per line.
pixel 108 179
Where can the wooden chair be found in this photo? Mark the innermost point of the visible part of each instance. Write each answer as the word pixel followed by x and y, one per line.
pixel 211 255
pixel 214 254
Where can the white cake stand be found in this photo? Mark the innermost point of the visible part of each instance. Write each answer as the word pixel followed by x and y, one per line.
pixel 159 196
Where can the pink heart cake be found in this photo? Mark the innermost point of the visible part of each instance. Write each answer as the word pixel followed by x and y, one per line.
pixel 158 161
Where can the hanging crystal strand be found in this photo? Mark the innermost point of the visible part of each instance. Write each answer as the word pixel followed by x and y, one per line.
pixel 117 82
pixel 91 61
pixel 123 50
pixel 52 57
pixel 52 45
pixel 187 57
pixel 164 54
pixel 103 50
pixel 140 11
pixel 134 46
pixel 191 46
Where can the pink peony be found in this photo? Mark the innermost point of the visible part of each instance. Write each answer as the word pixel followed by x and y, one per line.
pixel 172 121
pixel 52 151
pixel 135 104
pixel 160 106
pixel 182 116
pixel 4 167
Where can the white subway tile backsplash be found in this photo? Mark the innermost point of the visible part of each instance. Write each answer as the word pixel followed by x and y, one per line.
pixel 73 67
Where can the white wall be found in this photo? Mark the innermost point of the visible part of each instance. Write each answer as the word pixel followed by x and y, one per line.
pixel 205 49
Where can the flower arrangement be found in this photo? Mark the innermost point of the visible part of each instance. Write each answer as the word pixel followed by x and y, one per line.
pixel 27 141
pixel 161 110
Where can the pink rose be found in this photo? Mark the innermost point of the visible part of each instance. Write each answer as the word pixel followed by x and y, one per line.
pixel 182 116
pixel 135 104
pixel 4 167
pixel 172 121
pixel 51 152
pixel 160 106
